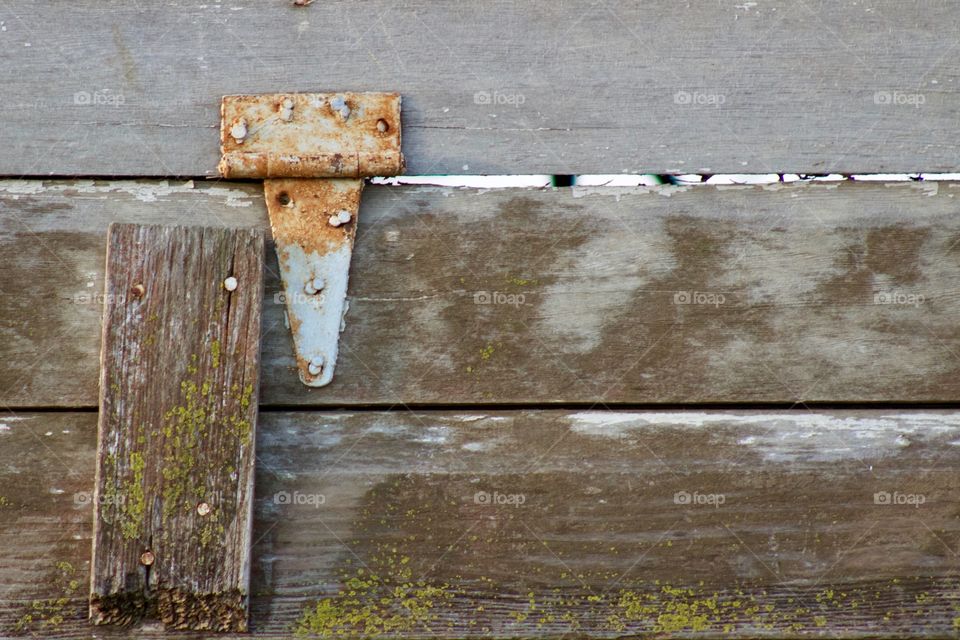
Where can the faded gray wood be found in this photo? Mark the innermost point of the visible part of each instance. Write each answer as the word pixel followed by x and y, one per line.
pixel 583 291
pixel 110 88
pixel 604 543
pixel 178 409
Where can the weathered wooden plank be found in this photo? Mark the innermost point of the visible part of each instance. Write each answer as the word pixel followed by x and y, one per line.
pixel 175 465
pixel 581 289
pixel 782 532
pixel 98 88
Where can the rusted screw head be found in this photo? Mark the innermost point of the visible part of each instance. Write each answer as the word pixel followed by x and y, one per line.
pixel 203 509
pixel 315 366
pixel 230 284
pixel 314 286
pixel 342 217
pixel 239 130
pixel 286 110
pixel 138 290
pixel 146 558
pixel 339 104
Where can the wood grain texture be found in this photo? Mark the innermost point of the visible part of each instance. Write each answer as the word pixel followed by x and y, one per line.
pixel 178 409
pixel 580 290
pixel 598 543
pixel 110 88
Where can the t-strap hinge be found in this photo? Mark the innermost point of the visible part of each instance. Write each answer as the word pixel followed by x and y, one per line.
pixel 312 150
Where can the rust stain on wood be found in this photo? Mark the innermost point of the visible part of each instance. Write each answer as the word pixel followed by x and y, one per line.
pixel 178 408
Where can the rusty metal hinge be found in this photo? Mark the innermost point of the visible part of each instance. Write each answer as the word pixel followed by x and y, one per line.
pixel 313 151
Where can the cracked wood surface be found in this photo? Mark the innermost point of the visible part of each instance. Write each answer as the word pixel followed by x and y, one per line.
pixel 112 88
pixel 807 292
pixel 541 523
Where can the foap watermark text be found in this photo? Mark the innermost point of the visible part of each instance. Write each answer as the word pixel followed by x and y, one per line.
pixel 698 499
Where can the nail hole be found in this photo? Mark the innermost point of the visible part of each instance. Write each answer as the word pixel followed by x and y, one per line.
pixel 283 198
pixel 382 126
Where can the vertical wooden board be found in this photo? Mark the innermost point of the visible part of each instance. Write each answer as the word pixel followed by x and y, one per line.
pixel 178 407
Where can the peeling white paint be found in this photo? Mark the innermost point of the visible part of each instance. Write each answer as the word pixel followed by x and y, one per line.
pixel 665 190
pixel 435 435
pixel 786 438
pixel 151 191
pixel 479 446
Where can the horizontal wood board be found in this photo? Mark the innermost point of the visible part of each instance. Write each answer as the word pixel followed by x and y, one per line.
pixel 810 292
pixel 120 88
pixel 530 523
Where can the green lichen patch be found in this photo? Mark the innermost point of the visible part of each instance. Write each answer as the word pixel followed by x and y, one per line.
pixel 133 506
pixel 184 428
pixel 372 605
pixel 215 353
pixel 435 555
pixel 517 281
pixel 46 615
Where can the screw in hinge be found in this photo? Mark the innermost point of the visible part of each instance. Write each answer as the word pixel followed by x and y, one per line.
pixel 239 130
pixel 230 284
pixel 286 110
pixel 340 105
pixel 315 366
pixel 382 126
pixel 343 217
pixel 314 286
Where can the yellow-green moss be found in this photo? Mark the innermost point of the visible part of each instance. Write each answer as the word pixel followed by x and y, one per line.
pixel 184 426
pixel 238 422
pixel 47 614
pixel 133 505
pixel 369 605
pixel 520 282
pixel 215 353
pixel 111 502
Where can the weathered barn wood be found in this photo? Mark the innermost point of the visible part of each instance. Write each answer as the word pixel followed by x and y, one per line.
pixel 178 408
pixel 96 88
pixel 528 523
pixel 808 292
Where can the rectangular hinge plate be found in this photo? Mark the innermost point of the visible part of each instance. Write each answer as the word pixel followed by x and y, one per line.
pixel 310 135
pixel 313 151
